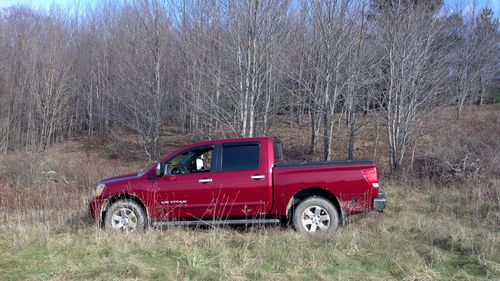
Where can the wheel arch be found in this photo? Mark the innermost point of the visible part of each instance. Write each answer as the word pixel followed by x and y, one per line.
pixel 311 192
pixel 121 196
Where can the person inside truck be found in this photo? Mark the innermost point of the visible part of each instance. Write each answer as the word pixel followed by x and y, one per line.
pixel 197 160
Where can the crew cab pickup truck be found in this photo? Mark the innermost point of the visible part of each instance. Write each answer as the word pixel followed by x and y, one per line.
pixel 238 181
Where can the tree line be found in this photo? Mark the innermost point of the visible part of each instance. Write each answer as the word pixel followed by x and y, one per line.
pixel 233 68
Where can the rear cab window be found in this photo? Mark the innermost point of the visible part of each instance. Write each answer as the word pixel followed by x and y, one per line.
pixel 240 156
pixel 278 152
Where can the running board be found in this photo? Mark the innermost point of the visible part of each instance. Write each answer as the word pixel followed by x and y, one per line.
pixel 217 222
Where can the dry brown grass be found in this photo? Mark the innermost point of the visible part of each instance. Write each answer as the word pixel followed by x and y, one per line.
pixel 429 232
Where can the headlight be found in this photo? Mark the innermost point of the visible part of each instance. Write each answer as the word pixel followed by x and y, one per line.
pixel 99 189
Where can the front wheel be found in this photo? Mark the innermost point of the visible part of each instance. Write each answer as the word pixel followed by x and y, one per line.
pixel 126 216
pixel 315 214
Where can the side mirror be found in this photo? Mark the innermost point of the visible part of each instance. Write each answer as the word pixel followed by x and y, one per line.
pixel 160 169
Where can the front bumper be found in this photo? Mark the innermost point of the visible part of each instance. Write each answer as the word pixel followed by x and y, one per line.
pixel 380 202
pixel 96 207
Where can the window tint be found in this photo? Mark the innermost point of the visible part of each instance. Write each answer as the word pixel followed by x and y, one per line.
pixel 278 151
pixel 240 157
pixel 196 160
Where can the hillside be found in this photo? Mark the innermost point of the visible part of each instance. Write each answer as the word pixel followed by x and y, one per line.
pixel 431 230
pixel 98 89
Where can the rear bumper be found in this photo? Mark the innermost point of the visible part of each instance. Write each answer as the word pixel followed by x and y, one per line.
pixel 380 202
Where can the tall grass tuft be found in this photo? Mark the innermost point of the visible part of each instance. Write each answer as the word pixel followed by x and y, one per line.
pixel 429 232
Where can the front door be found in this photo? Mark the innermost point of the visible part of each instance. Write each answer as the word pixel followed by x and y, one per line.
pixel 185 191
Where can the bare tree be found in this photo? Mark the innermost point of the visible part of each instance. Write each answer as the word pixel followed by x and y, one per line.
pixel 239 63
pixel 227 68
pixel 412 74
pixel 37 79
pixel 144 49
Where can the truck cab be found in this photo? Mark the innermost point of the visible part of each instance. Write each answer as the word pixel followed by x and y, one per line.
pixel 237 181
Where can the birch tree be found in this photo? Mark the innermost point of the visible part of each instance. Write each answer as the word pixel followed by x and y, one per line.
pixel 412 74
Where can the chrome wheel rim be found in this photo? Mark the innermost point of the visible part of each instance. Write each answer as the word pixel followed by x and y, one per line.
pixel 124 219
pixel 315 218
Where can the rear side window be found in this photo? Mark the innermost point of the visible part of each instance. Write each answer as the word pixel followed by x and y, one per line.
pixel 240 157
pixel 278 151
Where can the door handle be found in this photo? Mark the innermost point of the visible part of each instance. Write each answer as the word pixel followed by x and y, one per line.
pixel 205 180
pixel 257 177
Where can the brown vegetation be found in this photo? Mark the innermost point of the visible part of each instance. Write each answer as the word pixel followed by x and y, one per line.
pixel 429 231
pixel 233 68
pixel 110 89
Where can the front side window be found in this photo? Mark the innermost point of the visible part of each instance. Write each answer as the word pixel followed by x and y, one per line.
pixel 196 160
pixel 240 157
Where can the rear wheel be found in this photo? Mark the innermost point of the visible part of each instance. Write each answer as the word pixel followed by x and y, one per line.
pixel 126 216
pixel 315 214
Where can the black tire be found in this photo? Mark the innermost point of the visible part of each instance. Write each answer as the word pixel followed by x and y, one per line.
pixel 315 214
pixel 125 215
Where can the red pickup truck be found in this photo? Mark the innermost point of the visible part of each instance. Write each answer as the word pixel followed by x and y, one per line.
pixel 238 181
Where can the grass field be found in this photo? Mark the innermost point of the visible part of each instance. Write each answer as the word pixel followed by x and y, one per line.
pixel 428 232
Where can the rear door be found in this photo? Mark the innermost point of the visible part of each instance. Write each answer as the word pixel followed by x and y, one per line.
pixel 243 186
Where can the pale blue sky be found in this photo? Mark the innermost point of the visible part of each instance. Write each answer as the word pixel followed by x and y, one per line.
pixel 467 5
pixel 46 4
pixel 450 5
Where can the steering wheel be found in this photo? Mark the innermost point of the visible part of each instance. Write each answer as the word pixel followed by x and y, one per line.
pixel 179 169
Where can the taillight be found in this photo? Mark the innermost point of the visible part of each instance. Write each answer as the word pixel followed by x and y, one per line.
pixel 371 176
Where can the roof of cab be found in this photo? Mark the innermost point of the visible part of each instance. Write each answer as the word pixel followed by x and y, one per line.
pixel 211 142
pixel 233 140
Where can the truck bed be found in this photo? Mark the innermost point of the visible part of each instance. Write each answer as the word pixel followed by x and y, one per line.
pixel 342 178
